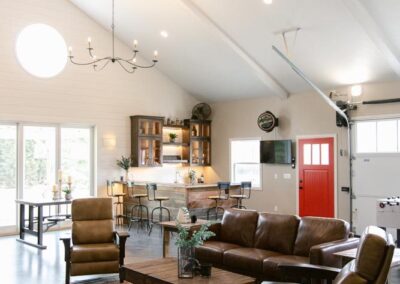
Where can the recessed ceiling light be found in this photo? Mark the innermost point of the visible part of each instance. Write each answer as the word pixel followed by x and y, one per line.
pixel 268 2
pixel 164 34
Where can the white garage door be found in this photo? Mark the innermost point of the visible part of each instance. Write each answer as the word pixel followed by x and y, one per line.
pixel 376 168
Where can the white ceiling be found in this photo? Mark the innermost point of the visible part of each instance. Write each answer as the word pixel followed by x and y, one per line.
pixel 224 52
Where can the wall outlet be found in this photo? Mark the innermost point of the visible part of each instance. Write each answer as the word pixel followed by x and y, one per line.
pixel 275 208
pixel 276 176
pixel 287 176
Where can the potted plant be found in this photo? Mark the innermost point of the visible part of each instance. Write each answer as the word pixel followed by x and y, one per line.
pixel 68 195
pixel 125 163
pixel 172 137
pixel 186 242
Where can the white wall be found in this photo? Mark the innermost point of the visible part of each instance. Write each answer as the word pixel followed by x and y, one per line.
pixel 79 95
pixel 300 114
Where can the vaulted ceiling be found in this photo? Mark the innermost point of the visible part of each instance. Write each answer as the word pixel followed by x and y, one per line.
pixel 221 50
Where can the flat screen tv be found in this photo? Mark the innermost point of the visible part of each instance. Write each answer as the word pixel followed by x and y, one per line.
pixel 276 152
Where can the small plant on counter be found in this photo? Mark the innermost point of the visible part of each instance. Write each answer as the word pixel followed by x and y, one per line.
pixel 125 163
pixel 192 176
pixel 172 137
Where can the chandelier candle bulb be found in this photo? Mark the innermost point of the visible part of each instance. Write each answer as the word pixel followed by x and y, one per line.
pixel 135 43
pixel 70 50
pixel 60 175
pixel 155 54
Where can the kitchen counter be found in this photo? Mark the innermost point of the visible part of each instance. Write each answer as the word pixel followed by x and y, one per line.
pixel 194 197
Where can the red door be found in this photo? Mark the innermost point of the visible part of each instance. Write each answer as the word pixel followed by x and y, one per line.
pixel 316 177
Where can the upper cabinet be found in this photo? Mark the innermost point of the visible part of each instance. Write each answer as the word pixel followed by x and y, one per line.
pixel 146 140
pixel 199 141
pixel 149 135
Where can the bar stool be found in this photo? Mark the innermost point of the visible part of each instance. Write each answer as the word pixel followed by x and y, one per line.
pixel 139 207
pixel 245 192
pixel 119 204
pixel 223 188
pixel 151 191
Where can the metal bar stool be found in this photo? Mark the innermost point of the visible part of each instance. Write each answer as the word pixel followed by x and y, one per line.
pixel 139 208
pixel 119 204
pixel 151 191
pixel 245 192
pixel 223 188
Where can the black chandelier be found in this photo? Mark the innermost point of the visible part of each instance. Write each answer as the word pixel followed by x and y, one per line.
pixel 129 65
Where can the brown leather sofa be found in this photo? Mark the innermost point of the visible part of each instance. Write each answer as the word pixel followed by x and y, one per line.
pixel 96 248
pixel 254 244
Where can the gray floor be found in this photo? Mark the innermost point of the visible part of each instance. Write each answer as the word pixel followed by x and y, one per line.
pixel 20 263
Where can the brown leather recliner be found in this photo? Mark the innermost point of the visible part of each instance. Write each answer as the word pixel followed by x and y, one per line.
pixel 371 266
pixel 96 247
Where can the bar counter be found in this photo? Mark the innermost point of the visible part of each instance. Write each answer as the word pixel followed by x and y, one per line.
pixel 194 197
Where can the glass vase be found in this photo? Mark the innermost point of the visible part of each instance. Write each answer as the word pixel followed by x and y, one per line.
pixel 186 262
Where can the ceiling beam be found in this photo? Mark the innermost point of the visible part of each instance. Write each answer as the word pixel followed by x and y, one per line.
pixel 260 71
pixel 375 33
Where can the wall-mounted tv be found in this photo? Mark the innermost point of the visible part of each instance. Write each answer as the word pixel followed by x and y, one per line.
pixel 276 152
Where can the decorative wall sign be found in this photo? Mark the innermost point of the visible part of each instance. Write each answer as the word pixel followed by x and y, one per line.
pixel 267 121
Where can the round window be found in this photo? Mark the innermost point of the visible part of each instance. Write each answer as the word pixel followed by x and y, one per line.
pixel 41 50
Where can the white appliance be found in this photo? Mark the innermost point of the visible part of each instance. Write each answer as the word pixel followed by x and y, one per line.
pixel 388 212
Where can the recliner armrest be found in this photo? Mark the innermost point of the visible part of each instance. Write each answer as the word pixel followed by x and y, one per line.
pixel 120 238
pixel 323 254
pixel 307 271
pixel 66 239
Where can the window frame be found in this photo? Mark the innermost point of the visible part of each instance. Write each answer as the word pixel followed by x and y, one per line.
pixel 260 187
pixel 375 119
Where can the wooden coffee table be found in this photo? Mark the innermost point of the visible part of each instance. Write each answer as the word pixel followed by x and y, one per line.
pixel 165 270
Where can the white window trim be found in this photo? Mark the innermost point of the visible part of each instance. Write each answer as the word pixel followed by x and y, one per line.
pixel 258 188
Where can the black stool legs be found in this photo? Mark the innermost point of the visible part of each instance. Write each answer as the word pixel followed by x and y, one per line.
pixel 160 215
pixel 216 208
pixel 139 217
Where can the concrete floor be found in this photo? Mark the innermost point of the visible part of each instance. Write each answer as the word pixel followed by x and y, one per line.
pixel 22 264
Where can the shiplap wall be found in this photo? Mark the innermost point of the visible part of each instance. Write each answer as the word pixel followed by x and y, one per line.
pixel 79 95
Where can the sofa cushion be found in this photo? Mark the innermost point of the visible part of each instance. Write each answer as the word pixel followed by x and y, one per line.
pixel 270 265
pixel 248 260
pixel 276 232
pixel 316 230
pixel 212 251
pixel 94 252
pixel 238 227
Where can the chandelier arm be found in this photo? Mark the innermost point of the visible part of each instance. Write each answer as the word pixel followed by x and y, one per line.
pixel 88 63
pixel 102 67
pixel 90 49
pixel 137 65
pixel 126 69
pixel 130 59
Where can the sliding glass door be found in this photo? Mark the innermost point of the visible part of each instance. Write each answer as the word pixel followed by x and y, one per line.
pixel 8 175
pixel 30 157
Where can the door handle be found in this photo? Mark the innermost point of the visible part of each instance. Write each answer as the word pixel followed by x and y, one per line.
pixel 300 187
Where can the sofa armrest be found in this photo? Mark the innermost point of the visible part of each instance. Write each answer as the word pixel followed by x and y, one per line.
pixel 120 238
pixel 66 239
pixel 323 254
pixel 308 271
pixel 216 229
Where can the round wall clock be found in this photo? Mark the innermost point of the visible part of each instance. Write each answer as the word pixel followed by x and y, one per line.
pixel 267 121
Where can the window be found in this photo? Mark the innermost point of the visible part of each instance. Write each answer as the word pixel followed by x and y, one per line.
pixel 378 136
pixel 41 50
pixel 245 161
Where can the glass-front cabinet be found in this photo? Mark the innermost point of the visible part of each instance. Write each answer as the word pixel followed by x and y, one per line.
pixel 200 142
pixel 146 135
